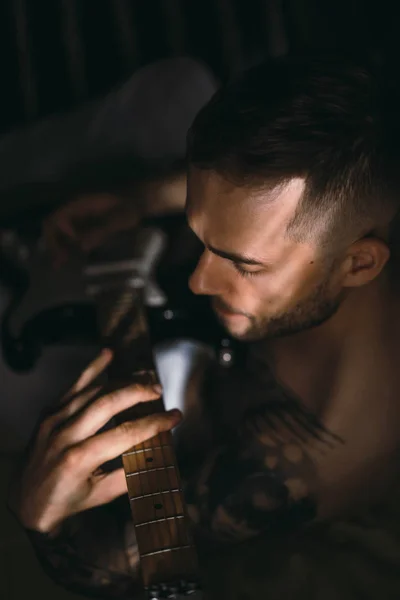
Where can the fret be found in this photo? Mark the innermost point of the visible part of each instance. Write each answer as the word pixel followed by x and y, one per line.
pixel 160 520
pixel 138 450
pixel 152 458
pixel 164 479
pixel 159 469
pixel 162 534
pixel 177 564
pixel 166 504
pixel 154 494
pixel 173 549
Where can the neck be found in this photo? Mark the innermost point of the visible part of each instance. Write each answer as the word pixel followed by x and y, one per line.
pixel 363 330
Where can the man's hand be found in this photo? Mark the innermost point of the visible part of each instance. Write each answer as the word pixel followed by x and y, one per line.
pixel 90 220
pixel 62 475
pixel 87 222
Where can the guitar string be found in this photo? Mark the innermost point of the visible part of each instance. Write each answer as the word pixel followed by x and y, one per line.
pixel 125 301
pixel 168 521
pixel 141 485
pixel 156 511
pixel 155 527
pixel 122 306
pixel 181 524
pixel 174 522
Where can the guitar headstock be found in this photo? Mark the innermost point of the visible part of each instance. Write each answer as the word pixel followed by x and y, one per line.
pixel 181 591
pixel 138 271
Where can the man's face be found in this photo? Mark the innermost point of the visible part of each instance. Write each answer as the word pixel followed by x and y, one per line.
pixel 262 283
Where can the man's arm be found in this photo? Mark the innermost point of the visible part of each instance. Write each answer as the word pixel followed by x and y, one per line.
pixel 68 503
pixel 93 553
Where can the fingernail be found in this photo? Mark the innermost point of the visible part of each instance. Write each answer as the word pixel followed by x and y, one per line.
pixel 175 412
pixel 157 388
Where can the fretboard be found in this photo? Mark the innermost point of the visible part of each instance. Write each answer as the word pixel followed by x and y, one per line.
pixel 154 486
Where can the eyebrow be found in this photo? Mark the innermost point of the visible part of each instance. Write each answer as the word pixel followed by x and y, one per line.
pixel 233 256
pixel 237 258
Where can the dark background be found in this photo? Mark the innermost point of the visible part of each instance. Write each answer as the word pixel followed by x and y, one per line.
pixel 55 54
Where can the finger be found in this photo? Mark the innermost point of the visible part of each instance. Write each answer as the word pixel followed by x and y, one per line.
pixel 117 222
pixel 60 222
pixel 52 422
pixel 108 445
pixel 102 410
pixel 66 227
pixel 93 239
pixel 96 367
pixel 75 405
pixel 106 488
pixel 93 204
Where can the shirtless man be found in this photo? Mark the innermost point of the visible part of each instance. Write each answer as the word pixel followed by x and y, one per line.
pixel 293 189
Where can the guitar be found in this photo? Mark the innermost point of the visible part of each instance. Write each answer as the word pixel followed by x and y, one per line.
pixel 168 561
pixel 56 306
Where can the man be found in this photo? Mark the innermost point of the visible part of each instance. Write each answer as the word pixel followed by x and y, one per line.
pixel 293 189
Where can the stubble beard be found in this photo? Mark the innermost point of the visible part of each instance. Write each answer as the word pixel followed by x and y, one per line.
pixel 312 312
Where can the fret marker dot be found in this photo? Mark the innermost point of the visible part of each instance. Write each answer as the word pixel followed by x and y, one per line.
pixel 158 506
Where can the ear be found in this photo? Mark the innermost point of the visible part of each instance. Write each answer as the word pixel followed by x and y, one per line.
pixel 364 261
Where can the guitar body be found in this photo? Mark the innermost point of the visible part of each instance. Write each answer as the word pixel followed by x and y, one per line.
pixel 56 306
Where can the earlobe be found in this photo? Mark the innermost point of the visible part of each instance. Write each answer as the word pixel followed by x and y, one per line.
pixel 365 260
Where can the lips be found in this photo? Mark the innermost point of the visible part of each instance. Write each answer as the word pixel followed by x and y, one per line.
pixel 225 312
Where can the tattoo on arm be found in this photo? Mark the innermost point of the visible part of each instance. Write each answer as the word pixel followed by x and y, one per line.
pixel 95 553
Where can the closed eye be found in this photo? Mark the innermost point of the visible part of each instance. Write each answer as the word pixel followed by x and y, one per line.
pixel 245 272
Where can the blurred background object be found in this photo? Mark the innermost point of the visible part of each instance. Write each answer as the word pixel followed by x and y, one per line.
pixel 59 55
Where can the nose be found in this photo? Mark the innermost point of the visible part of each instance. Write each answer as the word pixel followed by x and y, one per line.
pixel 207 278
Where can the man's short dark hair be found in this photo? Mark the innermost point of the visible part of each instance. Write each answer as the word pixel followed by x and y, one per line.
pixel 329 121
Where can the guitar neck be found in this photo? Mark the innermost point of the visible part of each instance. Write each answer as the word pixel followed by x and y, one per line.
pixel 168 558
